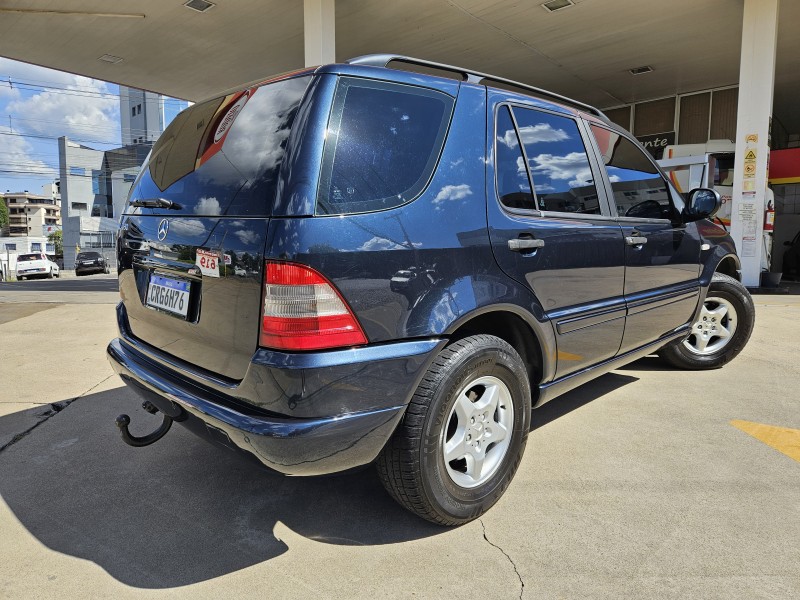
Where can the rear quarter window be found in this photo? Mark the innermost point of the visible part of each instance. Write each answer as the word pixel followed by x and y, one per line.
pixel 383 142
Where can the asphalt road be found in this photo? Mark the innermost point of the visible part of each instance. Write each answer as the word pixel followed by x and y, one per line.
pixel 88 283
pixel 646 483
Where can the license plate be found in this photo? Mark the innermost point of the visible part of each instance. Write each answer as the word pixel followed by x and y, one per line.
pixel 168 294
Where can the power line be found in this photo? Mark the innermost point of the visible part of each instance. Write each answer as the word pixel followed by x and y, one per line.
pixel 111 127
pixel 67 91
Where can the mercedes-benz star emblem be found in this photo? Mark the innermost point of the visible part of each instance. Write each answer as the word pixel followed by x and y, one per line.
pixel 163 229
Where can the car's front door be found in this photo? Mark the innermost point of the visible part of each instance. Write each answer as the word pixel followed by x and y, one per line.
pixel 662 254
pixel 551 228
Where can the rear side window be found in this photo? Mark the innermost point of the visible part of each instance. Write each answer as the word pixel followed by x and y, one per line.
pixel 25 257
pixel 639 189
pixel 383 142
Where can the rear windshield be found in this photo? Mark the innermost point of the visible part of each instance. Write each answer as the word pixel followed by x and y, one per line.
pixel 223 156
pixel 382 144
pixel 30 257
pixel 84 255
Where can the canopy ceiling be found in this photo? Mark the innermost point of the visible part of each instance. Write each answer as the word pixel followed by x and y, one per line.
pixel 584 51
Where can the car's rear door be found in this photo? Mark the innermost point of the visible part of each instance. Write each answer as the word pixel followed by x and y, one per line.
pixel 551 228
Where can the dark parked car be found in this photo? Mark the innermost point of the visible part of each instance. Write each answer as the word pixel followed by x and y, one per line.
pixel 90 262
pixel 356 264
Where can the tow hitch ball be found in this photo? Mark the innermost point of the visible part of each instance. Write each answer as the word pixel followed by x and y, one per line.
pixel 123 421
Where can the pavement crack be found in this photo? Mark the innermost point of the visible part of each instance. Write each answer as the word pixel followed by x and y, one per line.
pixel 513 564
pixel 53 409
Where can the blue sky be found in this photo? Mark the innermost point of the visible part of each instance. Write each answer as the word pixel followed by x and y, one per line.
pixel 37 106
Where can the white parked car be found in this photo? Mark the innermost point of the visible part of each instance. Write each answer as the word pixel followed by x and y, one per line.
pixel 36 264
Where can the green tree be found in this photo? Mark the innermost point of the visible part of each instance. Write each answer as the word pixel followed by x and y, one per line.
pixel 57 240
pixel 3 213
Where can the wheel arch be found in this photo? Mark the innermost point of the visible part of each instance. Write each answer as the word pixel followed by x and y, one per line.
pixel 532 340
pixel 729 265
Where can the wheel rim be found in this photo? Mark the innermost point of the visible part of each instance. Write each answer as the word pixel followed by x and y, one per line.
pixel 714 328
pixel 478 432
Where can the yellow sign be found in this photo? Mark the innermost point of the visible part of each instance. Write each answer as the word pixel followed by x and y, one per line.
pixel 750 170
pixel 753 137
pixel 751 155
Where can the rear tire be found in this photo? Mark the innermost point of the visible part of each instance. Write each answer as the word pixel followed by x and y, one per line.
pixel 50 274
pixel 463 434
pixel 720 332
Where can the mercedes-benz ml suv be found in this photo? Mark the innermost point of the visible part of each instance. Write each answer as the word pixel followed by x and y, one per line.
pixel 359 264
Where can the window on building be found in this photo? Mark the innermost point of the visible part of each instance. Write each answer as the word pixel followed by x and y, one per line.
pixel 621 116
pixel 138 109
pixel 11 247
pixel 36 246
pixel 133 111
pixel 723 114
pixel 654 117
pixel 50 248
pixel 129 178
pixel 77 171
pixel 693 122
pixel 557 161
pixel 98 186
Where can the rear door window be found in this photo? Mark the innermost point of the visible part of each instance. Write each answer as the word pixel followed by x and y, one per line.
pixel 382 144
pixel 558 164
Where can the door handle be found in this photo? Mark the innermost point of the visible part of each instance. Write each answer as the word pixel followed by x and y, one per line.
pixel 635 240
pixel 522 244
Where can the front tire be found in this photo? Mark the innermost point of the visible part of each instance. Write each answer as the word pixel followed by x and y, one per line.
pixel 463 434
pixel 721 331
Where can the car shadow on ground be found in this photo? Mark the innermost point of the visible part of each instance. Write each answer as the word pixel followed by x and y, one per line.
pixel 183 511
pixel 580 396
pixel 649 363
pixel 180 511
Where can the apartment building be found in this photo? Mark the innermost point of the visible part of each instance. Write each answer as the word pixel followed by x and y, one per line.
pixel 31 214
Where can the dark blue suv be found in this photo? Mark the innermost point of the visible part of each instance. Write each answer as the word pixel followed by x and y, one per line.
pixel 395 261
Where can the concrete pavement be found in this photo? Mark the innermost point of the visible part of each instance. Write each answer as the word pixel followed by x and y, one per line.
pixel 633 486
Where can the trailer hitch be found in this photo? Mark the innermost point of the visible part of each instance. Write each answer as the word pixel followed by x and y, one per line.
pixel 123 421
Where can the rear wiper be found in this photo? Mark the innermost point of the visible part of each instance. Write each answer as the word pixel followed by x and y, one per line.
pixel 156 203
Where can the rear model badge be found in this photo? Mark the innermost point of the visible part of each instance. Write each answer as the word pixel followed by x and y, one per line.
pixel 163 229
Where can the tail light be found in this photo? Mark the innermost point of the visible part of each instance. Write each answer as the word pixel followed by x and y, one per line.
pixel 303 311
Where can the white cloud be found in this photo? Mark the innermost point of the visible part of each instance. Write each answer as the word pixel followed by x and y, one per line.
pixel 7 92
pixel 452 192
pixel 381 243
pixel 71 105
pixel 247 236
pixel 574 167
pixel 16 157
pixel 207 206
pixel 187 227
pixel 532 134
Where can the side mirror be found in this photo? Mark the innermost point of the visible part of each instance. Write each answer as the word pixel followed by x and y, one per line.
pixel 703 204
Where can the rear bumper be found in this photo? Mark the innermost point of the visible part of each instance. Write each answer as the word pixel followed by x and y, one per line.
pixel 290 445
pixel 90 269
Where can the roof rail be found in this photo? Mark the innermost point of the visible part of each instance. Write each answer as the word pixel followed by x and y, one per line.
pixel 383 60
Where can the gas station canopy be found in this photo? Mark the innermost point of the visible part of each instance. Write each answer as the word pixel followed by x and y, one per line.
pixel 585 51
